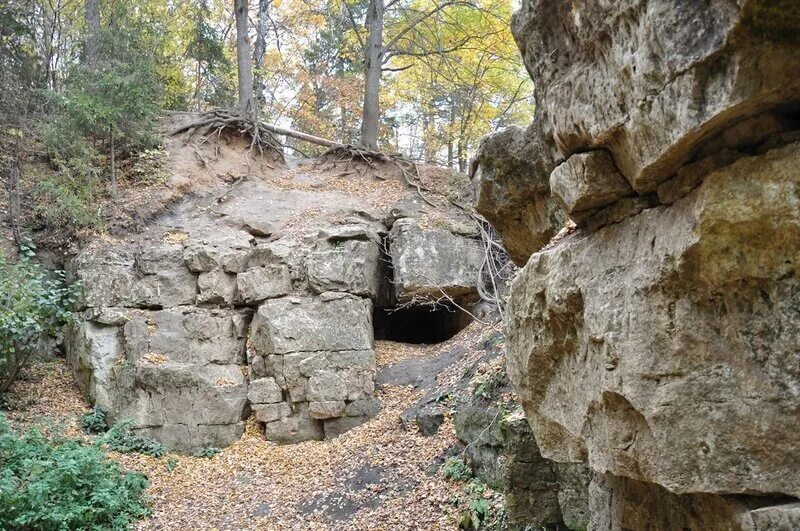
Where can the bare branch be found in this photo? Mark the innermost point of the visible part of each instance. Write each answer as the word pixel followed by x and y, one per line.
pixel 352 19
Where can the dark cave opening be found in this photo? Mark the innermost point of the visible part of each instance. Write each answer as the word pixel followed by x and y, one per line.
pixel 419 324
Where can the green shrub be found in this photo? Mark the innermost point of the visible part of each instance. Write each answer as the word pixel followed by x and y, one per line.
pixel 475 515
pixel 121 438
pixel 456 469
pixel 67 199
pixel 94 422
pixel 58 483
pixel 207 452
pixel 484 385
pixel 34 305
pixel 475 487
pixel 104 114
pixel 482 509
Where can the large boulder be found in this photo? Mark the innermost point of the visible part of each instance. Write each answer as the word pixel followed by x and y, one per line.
pixel 513 191
pixel 165 280
pixel 121 277
pixel 587 181
pixel 187 335
pixel 93 350
pixel 665 348
pixel 217 287
pixel 261 283
pixel 315 365
pixel 347 265
pixel 430 262
pixel 175 373
pixel 331 322
pixel 651 81
pixel 107 274
pixel 228 253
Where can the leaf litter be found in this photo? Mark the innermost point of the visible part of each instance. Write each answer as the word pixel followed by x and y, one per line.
pixel 379 475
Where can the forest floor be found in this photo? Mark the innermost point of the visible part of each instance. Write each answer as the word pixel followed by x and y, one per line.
pixel 380 475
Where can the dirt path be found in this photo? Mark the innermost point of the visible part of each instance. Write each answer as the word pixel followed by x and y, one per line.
pixel 377 476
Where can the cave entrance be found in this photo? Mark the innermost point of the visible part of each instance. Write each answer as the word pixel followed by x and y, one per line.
pixel 419 324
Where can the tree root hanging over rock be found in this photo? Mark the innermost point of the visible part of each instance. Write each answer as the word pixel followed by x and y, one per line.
pixel 214 123
pixel 349 154
pixel 263 138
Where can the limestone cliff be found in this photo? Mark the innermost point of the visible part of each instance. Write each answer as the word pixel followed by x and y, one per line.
pixel 659 342
pixel 259 297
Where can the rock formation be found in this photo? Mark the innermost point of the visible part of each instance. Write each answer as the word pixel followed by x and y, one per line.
pixel 501 449
pixel 262 303
pixel 660 341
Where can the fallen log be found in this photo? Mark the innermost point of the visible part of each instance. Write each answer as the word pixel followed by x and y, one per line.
pixel 300 135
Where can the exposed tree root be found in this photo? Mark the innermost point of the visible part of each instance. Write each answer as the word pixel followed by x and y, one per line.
pixel 214 123
pixel 351 155
pixel 263 138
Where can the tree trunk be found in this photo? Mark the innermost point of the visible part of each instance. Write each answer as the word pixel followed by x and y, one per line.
pixel 197 86
pixel 373 62
pixel 113 164
pixel 20 357
pixel 462 156
pixel 452 122
pixel 14 202
pixel 259 52
pixel 243 61
pixel 344 131
pixel 428 151
pixel 92 44
pixel 300 135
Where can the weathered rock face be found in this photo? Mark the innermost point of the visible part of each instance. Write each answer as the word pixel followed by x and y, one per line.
pixel 175 373
pixel 498 444
pixel 181 373
pixel 651 81
pixel 588 181
pixel 622 503
pixel 429 263
pixel 658 342
pixel 653 85
pixel 503 452
pixel 651 347
pixel 120 278
pixel 186 331
pixel 352 266
pixel 317 353
pixel 513 193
